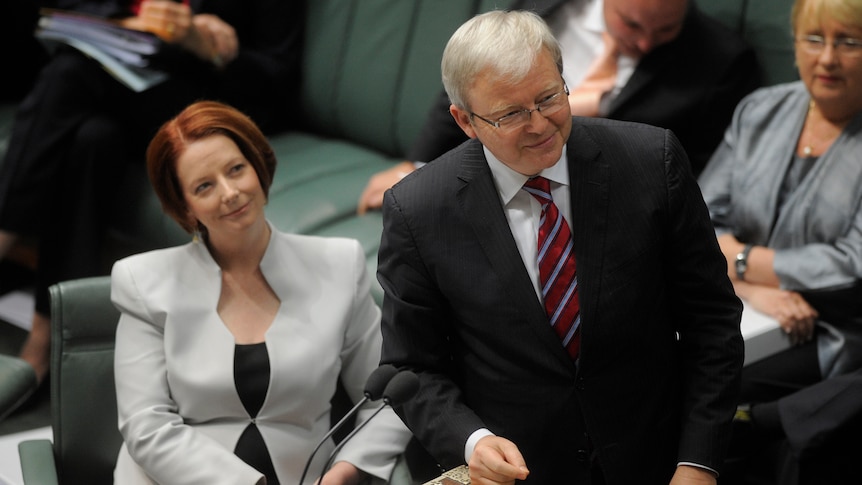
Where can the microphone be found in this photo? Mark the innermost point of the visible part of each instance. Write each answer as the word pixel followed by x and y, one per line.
pixel 400 389
pixel 375 388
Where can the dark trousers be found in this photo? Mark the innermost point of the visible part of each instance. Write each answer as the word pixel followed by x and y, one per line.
pixel 72 136
pixel 757 456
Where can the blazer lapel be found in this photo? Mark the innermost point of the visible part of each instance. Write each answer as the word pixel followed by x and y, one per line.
pixel 480 204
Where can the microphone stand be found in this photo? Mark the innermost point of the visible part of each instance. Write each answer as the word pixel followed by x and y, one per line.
pixel 374 387
pixel 346 439
pixel 400 389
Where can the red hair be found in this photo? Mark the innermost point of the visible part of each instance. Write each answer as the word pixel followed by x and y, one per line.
pixel 196 122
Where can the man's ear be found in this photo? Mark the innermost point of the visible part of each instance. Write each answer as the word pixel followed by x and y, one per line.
pixel 462 117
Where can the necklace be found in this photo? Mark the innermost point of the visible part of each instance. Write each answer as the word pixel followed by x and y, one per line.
pixel 807 149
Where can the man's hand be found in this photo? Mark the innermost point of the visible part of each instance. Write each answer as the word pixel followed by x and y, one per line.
pixel 220 39
pixel 205 35
pixel 372 196
pixel 171 21
pixel 692 475
pixel 495 461
pixel 341 473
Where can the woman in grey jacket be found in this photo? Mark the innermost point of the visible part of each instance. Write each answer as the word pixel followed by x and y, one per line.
pixel 784 191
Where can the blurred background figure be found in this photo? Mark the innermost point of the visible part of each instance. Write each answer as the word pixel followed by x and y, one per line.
pixel 77 126
pixel 660 62
pixel 784 190
pixel 23 55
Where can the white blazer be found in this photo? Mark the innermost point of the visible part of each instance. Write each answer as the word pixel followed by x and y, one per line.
pixel 179 412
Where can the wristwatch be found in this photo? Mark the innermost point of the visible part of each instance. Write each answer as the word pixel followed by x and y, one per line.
pixel 742 262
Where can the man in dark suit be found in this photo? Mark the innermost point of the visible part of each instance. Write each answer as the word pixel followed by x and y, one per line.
pixel 689 74
pixel 642 386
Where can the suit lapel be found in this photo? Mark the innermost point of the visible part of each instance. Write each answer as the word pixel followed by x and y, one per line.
pixel 652 64
pixel 643 75
pixel 588 176
pixel 480 204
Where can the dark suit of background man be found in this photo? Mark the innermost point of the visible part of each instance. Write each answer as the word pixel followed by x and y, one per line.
pixel 689 73
pixel 652 391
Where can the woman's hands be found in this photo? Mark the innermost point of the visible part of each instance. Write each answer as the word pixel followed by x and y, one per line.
pixel 793 313
pixel 205 35
pixel 761 290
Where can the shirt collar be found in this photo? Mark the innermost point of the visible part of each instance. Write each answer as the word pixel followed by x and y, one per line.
pixel 509 182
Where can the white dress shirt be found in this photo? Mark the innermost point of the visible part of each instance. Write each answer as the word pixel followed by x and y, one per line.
pixel 578 26
pixel 523 213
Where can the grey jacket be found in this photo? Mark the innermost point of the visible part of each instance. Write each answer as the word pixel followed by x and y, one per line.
pixel 817 234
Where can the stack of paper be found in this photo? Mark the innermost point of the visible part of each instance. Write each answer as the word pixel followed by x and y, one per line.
pixel 762 334
pixel 124 53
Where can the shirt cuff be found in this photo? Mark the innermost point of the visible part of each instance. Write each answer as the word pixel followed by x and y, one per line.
pixel 696 465
pixel 472 440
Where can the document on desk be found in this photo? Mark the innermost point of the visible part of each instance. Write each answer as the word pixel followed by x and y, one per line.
pixel 456 476
pixel 762 334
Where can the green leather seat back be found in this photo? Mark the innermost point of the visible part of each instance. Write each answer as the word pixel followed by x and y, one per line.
pixel 765 25
pixel 83 396
pixel 318 181
pixel 728 12
pixel 376 67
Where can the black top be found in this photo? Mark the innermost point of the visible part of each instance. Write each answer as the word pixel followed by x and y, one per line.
pixel 251 375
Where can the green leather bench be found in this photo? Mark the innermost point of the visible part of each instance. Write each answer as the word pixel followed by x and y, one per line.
pixel 371 71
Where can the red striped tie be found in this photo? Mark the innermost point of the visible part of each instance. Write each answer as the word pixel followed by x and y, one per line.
pixel 557 268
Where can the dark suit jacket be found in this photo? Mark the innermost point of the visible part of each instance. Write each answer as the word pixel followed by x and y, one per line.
pixel 690 85
pixel 460 310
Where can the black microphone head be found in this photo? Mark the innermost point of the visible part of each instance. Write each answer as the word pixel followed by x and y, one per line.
pixel 378 380
pixel 401 388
